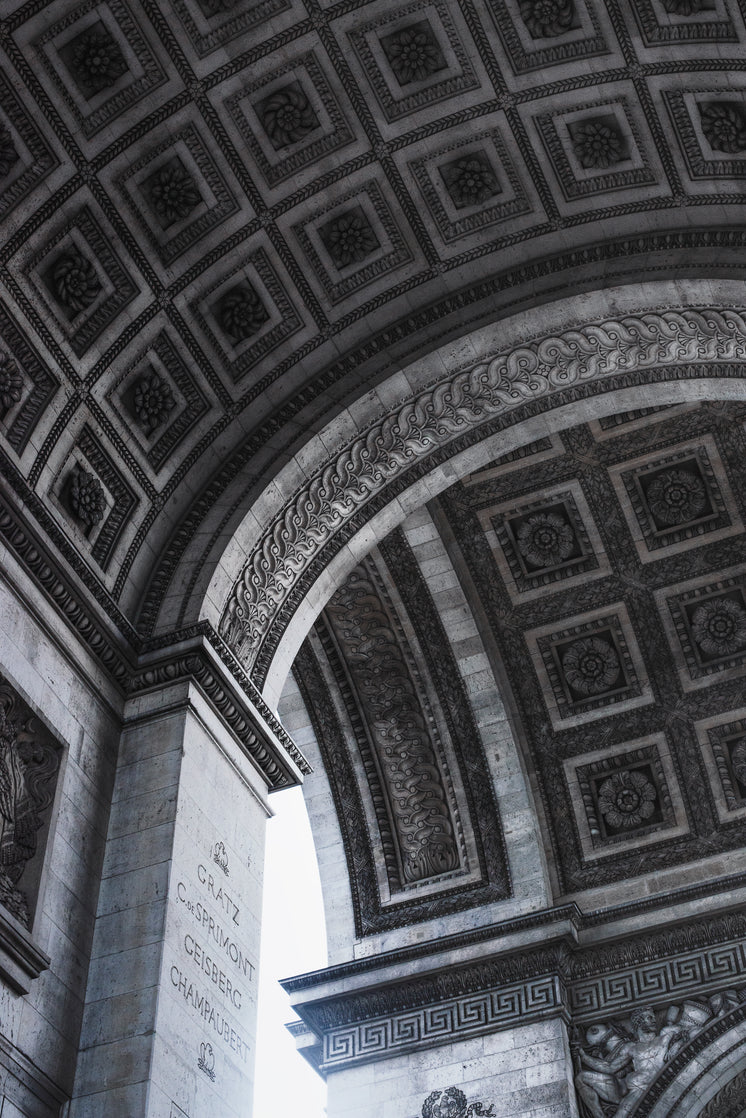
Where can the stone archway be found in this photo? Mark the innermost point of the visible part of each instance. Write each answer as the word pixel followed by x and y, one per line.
pixel 418 432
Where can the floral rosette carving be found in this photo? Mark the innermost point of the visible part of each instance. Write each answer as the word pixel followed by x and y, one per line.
pixel 8 154
pixel 719 627
pixel 591 666
pixel 350 239
pixel 414 54
pixel 597 144
pixel 724 127
pixel 470 180
pixel 546 19
pixel 11 382
pixel 75 282
pixel 287 116
pixel 153 401
pixel 545 539
pixel 676 496
pixel 87 498
pixel 626 799
pixel 173 194
pixel 97 60
pixel 242 312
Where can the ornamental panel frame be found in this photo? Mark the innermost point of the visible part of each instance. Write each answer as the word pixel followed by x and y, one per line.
pixel 723 521
pixel 612 624
pixel 651 752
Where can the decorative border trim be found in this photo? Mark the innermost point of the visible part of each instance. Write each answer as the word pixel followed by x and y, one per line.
pixel 459 1018
pixel 501 992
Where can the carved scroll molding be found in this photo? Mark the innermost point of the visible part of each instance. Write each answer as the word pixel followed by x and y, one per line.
pixel 616 353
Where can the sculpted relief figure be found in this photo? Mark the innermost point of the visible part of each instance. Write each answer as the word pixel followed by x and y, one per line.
pixel 28 769
pixel 630 1066
pixel 18 823
pixel 620 1065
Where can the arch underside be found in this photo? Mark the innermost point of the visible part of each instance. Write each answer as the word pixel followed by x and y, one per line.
pixel 456 422
pixel 412 399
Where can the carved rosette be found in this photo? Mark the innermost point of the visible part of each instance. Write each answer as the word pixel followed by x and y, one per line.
pixel 413 53
pixel 548 18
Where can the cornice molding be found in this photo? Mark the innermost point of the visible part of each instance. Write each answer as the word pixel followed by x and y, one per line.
pixel 21 960
pixel 683 344
pixel 560 977
pixel 199 656
pixel 197 653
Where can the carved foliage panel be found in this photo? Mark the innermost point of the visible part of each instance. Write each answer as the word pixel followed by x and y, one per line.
pixel 629 679
pixel 395 728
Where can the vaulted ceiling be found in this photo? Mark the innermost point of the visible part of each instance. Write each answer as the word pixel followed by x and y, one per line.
pixel 226 219
pixel 598 576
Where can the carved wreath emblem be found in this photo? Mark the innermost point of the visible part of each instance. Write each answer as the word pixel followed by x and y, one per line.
pixel 451 1103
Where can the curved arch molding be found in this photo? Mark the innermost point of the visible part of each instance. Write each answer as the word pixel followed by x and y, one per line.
pixel 448 416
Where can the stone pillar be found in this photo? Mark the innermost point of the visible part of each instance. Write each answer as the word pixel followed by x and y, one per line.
pixel 170 1017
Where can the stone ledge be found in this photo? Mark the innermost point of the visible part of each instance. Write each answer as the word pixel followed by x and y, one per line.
pixel 21 961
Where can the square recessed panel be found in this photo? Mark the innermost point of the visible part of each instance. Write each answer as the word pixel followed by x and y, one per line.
pixel 536 36
pixel 597 148
pixel 543 542
pixel 706 626
pixel 81 279
pixel 353 243
pixel 471 185
pixel 177 193
pixel 288 120
pixel 588 666
pixel 245 314
pixel 723 743
pixel 625 797
pixel 99 65
pixel 95 497
pixel 710 126
pixel 414 57
pixel 159 399
pixel 676 501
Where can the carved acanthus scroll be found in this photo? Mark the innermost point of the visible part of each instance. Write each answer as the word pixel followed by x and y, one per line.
pixel 400 732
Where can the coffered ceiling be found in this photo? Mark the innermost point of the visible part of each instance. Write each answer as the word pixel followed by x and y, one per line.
pixel 225 219
pixel 604 568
